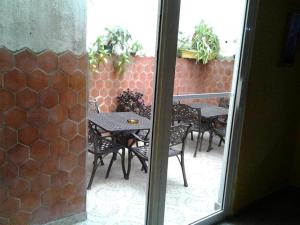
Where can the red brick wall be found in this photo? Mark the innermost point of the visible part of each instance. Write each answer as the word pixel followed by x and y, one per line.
pixel 42 136
pixel 190 78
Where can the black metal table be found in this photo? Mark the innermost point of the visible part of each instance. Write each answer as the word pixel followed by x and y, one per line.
pixel 116 123
pixel 210 113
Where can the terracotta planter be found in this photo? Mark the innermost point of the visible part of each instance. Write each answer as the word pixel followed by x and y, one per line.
pixel 188 54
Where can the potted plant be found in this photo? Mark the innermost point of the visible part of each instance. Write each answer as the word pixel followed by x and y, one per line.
pixel 116 42
pixel 203 46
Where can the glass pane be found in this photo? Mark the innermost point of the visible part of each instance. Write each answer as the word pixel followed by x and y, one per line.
pixel 121 38
pixel 209 37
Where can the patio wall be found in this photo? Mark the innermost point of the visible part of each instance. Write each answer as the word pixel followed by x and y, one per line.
pixel 42 136
pixel 42 111
pixel 190 78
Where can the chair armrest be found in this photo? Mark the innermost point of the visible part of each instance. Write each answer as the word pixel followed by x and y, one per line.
pixel 138 138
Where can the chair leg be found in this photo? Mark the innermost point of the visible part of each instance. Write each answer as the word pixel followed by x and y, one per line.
pixel 195 153
pixel 95 165
pixel 101 161
pixel 220 142
pixel 192 136
pixel 110 164
pixel 183 169
pixel 201 140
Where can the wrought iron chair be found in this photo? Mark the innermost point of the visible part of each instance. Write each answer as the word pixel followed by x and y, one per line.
pixel 177 136
pixel 220 123
pixel 100 147
pixel 185 114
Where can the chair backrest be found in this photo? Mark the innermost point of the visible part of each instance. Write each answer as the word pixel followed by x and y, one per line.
pixel 130 101
pixel 178 134
pixel 186 114
pixel 97 142
pixel 224 102
pixel 145 111
pixel 93 106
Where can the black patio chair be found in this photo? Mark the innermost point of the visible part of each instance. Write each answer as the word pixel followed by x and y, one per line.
pixel 220 124
pixel 178 136
pixel 100 146
pixel 185 114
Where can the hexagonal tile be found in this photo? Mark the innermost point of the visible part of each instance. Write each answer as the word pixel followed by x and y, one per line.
pixel 69 191
pixel 59 81
pixel 82 97
pixel 68 162
pixel 58 148
pixel 8 173
pixel 49 132
pixel 9 207
pixel 21 217
pixel 50 165
pixel 77 80
pixel 6 60
pixel 68 98
pixel 107 101
pixel 49 98
pixel 16 118
pixel 2 157
pixel 3 193
pixel 58 114
pixel 30 201
pixel 82 128
pixel 77 144
pixel 37 80
pixel 77 204
pixel 26 99
pixel 37 117
pixel 59 209
pixel 68 129
pixel 15 80
pixel 28 135
pixel 8 138
pixel 108 84
pixel 47 61
pixel 68 62
pixel 39 150
pixel 18 187
pixel 83 63
pixel 18 154
pixel 77 175
pixel 82 159
pixel 41 215
pixel 77 113
pixel 99 84
pixel 26 61
pixel 7 100
pixel 50 197
pixel 103 92
pixel 40 183
pixel 59 179
pixel 30 169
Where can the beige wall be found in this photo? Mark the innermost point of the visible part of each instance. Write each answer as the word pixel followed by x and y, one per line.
pixel 268 139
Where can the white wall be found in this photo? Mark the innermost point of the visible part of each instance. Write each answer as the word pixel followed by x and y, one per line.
pixel 58 25
pixel 140 18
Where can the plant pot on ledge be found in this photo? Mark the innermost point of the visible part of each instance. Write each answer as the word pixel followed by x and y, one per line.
pixel 187 54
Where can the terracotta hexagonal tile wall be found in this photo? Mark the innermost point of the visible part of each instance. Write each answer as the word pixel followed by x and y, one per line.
pixel 42 113
pixel 190 78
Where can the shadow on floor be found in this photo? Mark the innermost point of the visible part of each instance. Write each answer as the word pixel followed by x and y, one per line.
pixel 280 208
